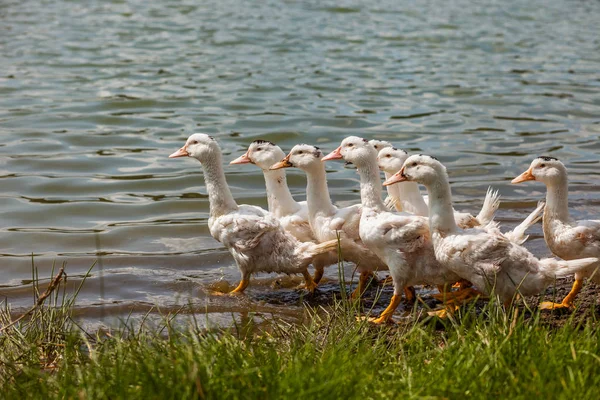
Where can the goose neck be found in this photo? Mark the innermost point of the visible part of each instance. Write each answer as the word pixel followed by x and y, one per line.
pixel 409 196
pixel 279 198
pixel 317 192
pixel 557 202
pixel 370 186
pixel 219 195
pixel 441 213
pixel 392 190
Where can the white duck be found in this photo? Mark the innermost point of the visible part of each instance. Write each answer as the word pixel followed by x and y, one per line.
pixel 327 220
pixel 390 160
pixel 566 238
pixel 401 240
pixel 292 214
pixel 407 195
pixel 487 258
pixel 253 236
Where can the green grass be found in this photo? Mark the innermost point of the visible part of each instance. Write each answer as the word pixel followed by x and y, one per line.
pixel 487 354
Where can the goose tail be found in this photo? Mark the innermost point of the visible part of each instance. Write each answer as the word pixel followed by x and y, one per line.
pixel 490 206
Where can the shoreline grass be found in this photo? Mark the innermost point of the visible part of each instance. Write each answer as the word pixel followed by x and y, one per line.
pixel 483 354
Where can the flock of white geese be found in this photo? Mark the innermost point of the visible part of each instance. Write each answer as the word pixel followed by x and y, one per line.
pixel 419 240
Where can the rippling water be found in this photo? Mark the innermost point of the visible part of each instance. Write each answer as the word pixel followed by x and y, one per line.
pixel 94 96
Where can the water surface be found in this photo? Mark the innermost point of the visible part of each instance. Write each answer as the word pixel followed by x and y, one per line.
pixel 94 96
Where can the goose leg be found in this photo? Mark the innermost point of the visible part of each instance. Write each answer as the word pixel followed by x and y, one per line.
pixel 399 285
pixel 447 295
pixel 309 282
pixel 462 284
pixel 451 299
pixel 386 315
pixel 318 275
pixel 243 284
pixel 410 294
pixel 363 279
pixel 443 289
pixel 466 294
pixel 449 308
pixel 319 270
pixel 567 301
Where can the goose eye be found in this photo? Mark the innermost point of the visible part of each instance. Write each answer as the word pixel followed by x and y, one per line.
pixel 259 149
pixel 195 142
pixel 414 164
pixel 543 165
pixel 300 152
pixel 388 156
pixel 350 144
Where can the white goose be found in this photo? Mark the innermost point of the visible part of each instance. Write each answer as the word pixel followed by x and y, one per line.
pixel 488 259
pixel 566 238
pixel 253 236
pixel 391 160
pixel 327 220
pixel 392 200
pixel 401 240
pixel 407 196
pixel 292 214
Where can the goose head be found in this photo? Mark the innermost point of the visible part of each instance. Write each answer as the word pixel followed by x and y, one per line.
pixel 303 156
pixel 391 159
pixel 200 146
pixel 548 170
pixel 419 168
pixel 261 153
pixel 380 144
pixel 355 150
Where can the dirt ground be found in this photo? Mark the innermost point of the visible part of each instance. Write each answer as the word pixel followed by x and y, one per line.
pixel 377 297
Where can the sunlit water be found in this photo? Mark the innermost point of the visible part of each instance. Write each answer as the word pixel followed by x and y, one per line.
pixel 95 95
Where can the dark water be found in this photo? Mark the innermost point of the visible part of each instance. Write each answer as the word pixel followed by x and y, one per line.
pixel 95 95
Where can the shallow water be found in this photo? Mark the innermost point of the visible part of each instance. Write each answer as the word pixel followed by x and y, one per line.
pixel 94 96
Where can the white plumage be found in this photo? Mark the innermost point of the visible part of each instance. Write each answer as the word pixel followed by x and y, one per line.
pixel 487 258
pixel 327 220
pixel 254 237
pixel 401 240
pixel 407 196
pixel 566 238
pixel 292 215
pixel 438 250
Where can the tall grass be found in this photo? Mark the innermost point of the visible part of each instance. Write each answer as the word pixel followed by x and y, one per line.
pixel 484 354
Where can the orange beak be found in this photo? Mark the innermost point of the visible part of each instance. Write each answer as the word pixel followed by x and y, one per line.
pixel 182 152
pixel 334 155
pixel 396 178
pixel 243 159
pixel 285 163
pixel 525 176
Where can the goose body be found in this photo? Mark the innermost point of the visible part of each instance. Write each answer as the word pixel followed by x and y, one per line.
pixel 292 214
pixel 487 258
pixel 402 240
pixel 254 237
pixel 567 238
pixel 327 220
pixel 407 196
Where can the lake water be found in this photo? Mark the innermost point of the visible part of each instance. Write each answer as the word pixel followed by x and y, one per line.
pixel 95 95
